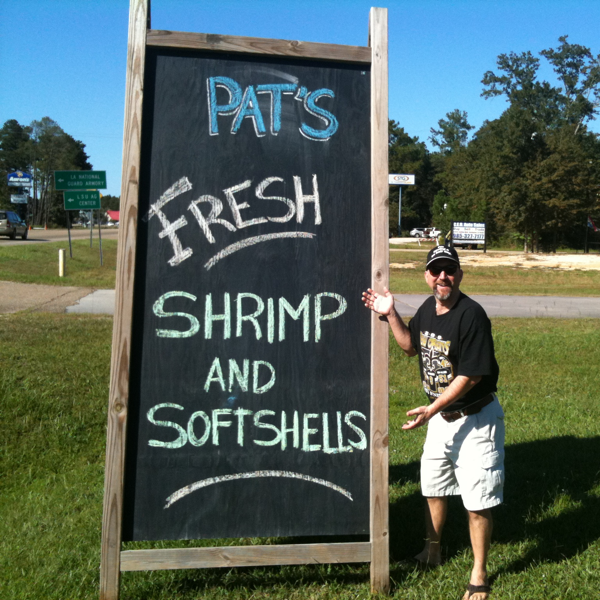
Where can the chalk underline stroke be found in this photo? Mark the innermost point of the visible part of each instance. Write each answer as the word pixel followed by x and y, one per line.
pixel 255 240
pixel 188 489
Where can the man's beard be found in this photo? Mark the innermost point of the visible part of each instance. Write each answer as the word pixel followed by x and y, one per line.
pixel 439 296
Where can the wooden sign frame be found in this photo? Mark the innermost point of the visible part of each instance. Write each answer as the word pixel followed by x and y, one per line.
pixel 376 550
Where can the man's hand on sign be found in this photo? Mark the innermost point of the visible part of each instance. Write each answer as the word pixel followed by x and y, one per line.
pixel 384 305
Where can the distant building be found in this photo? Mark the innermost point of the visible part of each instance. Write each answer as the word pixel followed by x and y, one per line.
pixel 113 216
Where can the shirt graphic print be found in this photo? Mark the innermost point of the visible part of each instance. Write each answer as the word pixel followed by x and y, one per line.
pixel 437 369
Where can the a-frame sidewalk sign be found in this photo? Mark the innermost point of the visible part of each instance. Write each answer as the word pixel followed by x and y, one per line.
pixel 249 385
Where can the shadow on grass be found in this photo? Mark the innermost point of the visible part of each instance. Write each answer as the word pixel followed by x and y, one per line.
pixel 550 502
pixel 549 499
pixel 550 509
pixel 247 581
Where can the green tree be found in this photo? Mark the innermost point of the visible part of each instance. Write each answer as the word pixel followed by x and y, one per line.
pixel 109 202
pixel 467 181
pixel 451 139
pixel 534 170
pixel 537 185
pixel 519 83
pixel 564 182
pixel 53 150
pixel 579 72
pixel 408 155
pixel 453 132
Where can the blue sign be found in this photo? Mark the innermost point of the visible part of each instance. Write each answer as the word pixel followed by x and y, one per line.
pixel 20 179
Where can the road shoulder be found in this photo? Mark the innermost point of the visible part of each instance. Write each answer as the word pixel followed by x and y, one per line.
pixel 34 297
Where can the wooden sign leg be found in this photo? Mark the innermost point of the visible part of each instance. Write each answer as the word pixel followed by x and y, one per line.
pixel 110 568
pixel 380 562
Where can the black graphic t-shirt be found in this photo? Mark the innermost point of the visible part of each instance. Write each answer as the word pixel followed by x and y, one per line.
pixel 458 342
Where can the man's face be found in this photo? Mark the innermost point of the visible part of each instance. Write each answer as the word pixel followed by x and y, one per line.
pixel 442 283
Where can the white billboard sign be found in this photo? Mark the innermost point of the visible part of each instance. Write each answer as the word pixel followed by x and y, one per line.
pixel 468 232
pixel 18 198
pixel 399 179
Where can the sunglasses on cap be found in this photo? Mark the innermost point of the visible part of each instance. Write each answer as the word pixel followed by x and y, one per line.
pixel 448 269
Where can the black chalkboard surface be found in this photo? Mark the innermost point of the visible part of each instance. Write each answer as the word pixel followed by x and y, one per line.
pixel 249 384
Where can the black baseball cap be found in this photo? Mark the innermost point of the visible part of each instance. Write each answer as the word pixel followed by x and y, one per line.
pixel 442 252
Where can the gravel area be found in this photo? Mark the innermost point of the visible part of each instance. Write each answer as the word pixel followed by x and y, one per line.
pixel 34 297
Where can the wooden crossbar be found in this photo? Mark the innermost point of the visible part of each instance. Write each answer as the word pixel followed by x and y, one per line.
pixel 244 556
pixel 252 45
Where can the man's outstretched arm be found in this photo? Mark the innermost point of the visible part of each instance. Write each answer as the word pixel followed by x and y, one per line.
pixel 384 306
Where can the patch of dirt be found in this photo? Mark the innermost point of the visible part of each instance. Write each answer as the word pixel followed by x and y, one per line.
pixel 38 298
pixel 564 262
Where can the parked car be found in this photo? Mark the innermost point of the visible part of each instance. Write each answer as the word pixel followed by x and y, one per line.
pixel 417 232
pixel 425 232
pixel 12 225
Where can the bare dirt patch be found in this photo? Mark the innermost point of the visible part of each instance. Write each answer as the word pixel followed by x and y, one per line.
pixel 406 265
pixel 38 298
pixel 564 262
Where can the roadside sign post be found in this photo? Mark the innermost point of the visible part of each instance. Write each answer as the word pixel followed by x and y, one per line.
pixel 82 200
pixel 400 179
pixel 590 225
pixel 469 234
pixel 79 180
pixel 78 196
pixel 19 179
pixel 100 234
pixel 69 230
pixel 399 210
pixel 21 184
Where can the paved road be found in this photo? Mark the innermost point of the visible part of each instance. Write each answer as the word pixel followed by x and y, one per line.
pixel 48 298
pixel 36 236
pixel 15 296
pixel 102 301
pixel 516 306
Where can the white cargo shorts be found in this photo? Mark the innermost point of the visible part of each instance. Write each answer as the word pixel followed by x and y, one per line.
pixel 466 458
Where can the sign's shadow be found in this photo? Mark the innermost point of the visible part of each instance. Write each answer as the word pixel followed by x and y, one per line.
pixel 552 495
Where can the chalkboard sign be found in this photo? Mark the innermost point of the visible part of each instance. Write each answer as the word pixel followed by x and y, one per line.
pixel 248 384
pixel 250 404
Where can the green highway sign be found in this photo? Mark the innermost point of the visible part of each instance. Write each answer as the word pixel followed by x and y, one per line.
pixel 82 200
pixel 79 180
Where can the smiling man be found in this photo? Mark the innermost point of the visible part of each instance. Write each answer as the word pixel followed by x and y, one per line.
pixel 464 449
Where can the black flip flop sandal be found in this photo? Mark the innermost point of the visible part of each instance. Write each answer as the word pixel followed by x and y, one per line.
pixel 478 589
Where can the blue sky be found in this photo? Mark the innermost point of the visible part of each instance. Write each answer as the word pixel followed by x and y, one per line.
pixel 66 59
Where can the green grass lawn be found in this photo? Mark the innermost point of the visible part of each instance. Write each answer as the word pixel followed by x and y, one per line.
pixel 38 263
pixel 496 280
pixel 53 395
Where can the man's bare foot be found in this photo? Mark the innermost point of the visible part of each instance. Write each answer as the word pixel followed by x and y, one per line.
pixel 428 557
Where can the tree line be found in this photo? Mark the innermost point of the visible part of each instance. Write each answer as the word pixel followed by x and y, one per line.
pixel 533 174
pixel 39 149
